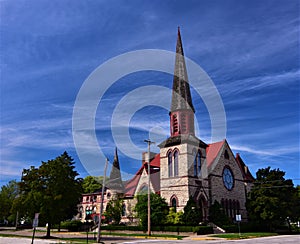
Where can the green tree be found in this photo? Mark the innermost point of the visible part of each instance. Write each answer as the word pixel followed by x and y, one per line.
pixel 8 194
pixel 217 215
pixel 271 200
pixel 173 217
pixel 91 184
pixel 191 213
pixel 52 190
pixel 159 209
pixel 114 210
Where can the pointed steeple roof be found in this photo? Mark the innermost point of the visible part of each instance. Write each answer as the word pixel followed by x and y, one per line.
pixel 115 180
pixel 181 94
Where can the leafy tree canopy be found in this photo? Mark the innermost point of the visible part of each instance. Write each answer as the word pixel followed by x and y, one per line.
pixel 91 184
pixel 8 194
pixel 191 213
pixel 52 190
pixel 272 198
pixel 114 210
pixel 217 215
pixel 174 218
pixel 159 209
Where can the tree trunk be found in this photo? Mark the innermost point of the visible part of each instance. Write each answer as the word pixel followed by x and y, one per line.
pixel 48 231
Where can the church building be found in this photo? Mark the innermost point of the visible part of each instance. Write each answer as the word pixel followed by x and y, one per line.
pixel 185 166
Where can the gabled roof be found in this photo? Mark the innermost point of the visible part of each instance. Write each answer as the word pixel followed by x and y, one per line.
pixel 212 151
pixel 248 177
pixel 131 185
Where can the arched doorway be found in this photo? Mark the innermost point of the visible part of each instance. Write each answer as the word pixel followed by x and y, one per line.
pixel 203 207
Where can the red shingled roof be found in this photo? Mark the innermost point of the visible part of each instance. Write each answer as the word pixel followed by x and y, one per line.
pixel 212 151
pixel 131 185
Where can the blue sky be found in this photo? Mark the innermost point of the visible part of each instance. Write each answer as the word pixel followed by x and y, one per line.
pixel 250 50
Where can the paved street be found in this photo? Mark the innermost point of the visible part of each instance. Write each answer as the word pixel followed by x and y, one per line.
pixel 17 240
pixel 113 240
pixel 266 240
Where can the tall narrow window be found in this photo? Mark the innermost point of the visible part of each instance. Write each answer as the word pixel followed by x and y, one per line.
pixel 175 123
pixel 174 203
pixel 199 163
pixel 176 163
pixel 230 207
pixel 170 164
pixel 195 163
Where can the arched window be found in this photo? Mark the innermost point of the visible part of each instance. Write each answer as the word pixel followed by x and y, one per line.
pixel 170 164
pixel 174 203
pixel 195 163
pixel 123 210
pixel 230 207
pixel 234 207
pixel 176 163
pixel 199 163
pixel 226 207
pixel 223 205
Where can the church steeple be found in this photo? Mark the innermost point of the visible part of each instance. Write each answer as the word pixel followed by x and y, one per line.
pixel 182 109
pixel 115 180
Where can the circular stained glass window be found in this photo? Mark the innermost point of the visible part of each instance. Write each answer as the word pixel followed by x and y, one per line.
pixel 228 178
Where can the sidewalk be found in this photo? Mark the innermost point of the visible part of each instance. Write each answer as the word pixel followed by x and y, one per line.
pixel 40 232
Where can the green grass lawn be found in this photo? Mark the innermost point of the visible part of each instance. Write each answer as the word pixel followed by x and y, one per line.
pixel 233 236
pixel 138 234
pixel 82 239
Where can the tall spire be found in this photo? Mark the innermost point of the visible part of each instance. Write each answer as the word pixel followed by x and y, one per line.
pixel 181 95
pixel 182 109
pixel 115 181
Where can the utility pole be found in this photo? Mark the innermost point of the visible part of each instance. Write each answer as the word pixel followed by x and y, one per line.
pixel 101 205
pixel 149 209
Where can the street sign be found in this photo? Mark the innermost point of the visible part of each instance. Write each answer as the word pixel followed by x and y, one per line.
pixel 35 220
pixel 35 223
pixel 238 217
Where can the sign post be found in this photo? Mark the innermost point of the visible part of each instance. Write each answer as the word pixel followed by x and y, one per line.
pixel 34 225
pixel 238 219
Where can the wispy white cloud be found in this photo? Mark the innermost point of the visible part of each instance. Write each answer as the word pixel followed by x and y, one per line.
pixel 276 151
pixel 269 81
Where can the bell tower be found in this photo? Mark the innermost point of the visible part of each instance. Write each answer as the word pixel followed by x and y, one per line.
pixel 182 155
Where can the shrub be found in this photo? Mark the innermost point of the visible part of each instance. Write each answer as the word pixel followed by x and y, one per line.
pixel 203 230
pixel 122 227
pixel 72 225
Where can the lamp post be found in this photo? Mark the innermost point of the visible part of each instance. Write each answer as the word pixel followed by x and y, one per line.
pixel 149 142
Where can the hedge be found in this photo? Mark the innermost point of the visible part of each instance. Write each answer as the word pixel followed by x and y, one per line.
pixel 72 225
pixel 200 230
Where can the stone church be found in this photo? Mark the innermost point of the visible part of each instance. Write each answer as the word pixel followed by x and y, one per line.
pixel 185 166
